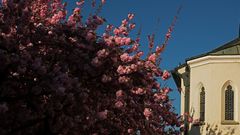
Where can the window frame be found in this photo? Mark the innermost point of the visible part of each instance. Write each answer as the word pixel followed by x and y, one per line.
pixel 235 120
pixel 202 104
pixel 229 104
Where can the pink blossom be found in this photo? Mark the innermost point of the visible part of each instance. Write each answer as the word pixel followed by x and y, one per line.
pixel 165 75
pixel 42 13
pixel 147 113
pixel 119 104
pixel 159 49
pixel 105 35
pixel 118 40
pixel 130 16
pixel 139 54
pixel 109 40
pixel 121 69
pixel 140 91
pixel 95 62
pixel 190 119
pixel 122 30
pixel 132 26
pixel 30 44
pixel 127 41
pixel 103 1
pixel 123 79
pixel 130 130
pixel 71 20
pixel 122 42
pixel 103 53
pixel 50 32
pixel 149 64
pixel 76 10
pixel 126 58
pixel 116 31
pixel 133 67
pixel 152 58
pixel 57 17
pixel 80 3
pixel 166 90
pixel 109 28
pixel 72 40
pixel 90 35
pixel 124 70
pixel 106 78
pixel 119 93
pixel 135 47
pixel 168 35
pixel 159 97
pixel 15 74
pixel 4 2
pixel 103 115
pixel 124 22
pixel 140 63
pixel 137 40
pixel 163 97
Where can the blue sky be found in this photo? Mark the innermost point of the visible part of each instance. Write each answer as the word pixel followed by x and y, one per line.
pixel 202 26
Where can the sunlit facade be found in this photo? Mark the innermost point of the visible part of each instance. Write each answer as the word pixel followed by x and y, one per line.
pixel 210 90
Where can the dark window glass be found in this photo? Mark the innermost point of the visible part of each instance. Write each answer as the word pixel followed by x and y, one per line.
pixel 229 103
pixel 202 104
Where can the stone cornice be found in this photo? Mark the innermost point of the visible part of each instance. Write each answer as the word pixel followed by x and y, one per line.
pixel 214 59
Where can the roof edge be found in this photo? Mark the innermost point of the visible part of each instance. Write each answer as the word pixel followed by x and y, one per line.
pixel 224 46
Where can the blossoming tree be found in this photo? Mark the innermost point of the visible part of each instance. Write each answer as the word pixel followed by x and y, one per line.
pixel 57 76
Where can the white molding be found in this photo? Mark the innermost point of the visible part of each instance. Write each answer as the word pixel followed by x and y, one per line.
pixel 214 59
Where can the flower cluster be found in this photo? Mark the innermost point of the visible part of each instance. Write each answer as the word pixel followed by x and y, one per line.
pixel 165 75
pixel 127 69
pixel 126 58
pixel 120 34
pixel 58 76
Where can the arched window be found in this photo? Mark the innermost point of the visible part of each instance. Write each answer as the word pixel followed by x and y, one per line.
pixel 202 104
pixel 229 103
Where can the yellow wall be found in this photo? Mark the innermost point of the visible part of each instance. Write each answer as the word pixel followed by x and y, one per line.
pixel 214 73
pixel 181 71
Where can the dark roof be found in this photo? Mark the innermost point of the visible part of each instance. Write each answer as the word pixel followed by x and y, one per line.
pixel 230 48
pixel 180 66
pixel 176 78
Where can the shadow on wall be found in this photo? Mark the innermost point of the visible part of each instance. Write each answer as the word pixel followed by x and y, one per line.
pixel 210 130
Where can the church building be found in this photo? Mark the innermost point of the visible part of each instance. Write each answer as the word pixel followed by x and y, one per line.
pixel 210 91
